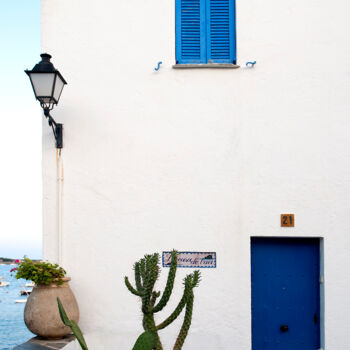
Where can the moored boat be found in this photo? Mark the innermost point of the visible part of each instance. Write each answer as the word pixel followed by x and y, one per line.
pixel 4 284
pixel 25 292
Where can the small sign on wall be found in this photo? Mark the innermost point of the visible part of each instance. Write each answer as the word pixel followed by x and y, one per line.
pixel 287 220
pixel 191 259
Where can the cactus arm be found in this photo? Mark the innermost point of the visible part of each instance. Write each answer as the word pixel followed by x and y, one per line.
pixel 196 277
pixel 175 313
pixel 186 324
pixel 143 270
pixel 131 288
pixel 138 277
pixel 169 285
pixel 63 314
pixel 72 325
pixel 188 282
pixel 77 332
pixel 154 297
pixel 146 297
pixel 152 272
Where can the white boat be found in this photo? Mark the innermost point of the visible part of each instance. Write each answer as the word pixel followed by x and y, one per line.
pixel 30 284
pixel 20 301
pixel 4 284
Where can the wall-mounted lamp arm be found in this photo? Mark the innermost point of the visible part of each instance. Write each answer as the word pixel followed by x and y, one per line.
pixel 57 128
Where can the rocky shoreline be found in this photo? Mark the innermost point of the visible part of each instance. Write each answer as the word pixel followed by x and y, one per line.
pixel 7 261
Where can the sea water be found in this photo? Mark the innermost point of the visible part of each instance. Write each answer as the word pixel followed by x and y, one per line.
pixel 12 328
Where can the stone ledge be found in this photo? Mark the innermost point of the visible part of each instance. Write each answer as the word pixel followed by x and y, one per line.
pixel 42 344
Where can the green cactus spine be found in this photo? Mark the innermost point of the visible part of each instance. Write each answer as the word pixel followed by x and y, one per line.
pixel 146 274
pixel 72 325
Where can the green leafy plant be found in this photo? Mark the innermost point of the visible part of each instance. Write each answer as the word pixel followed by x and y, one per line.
pixel 40 272
pixel 146 273
pixel 72 325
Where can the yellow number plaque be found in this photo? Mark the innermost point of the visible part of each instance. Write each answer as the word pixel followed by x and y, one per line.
pixel 287 220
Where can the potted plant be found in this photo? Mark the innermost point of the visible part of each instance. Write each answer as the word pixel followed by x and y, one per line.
pixel 41 315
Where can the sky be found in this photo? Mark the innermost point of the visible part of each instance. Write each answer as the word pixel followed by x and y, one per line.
pixel 21 124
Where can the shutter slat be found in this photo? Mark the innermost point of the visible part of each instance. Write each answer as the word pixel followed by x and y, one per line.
pixel 190 31
pixel 221 45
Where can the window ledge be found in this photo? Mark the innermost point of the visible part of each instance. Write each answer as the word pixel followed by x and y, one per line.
pixel 205 65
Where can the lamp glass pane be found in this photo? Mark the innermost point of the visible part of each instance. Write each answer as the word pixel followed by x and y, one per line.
pixel 58 88
pixel 42 83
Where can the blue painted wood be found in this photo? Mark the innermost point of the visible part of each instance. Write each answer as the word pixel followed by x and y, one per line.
pixel 285 291
pixel 190 31
pixel 205 31
pixel 221 33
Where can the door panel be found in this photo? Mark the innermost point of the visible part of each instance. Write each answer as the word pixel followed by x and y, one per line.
pixel 285 293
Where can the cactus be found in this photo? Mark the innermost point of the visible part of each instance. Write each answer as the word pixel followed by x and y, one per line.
pixel 146 341
pixel 146 274
pixel 72 325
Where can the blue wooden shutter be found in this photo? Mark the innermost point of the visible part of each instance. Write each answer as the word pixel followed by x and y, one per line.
pixel 190 31
pixel 221 31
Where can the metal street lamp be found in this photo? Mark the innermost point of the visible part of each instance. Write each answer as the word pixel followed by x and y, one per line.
pixel 48 83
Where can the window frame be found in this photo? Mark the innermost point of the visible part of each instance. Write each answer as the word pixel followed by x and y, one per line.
pixel 206 59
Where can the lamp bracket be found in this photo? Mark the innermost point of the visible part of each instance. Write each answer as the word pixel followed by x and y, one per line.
pixel 57 128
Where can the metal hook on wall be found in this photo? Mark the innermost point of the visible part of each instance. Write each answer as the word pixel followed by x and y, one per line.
pixel 158 66
pixel 250 64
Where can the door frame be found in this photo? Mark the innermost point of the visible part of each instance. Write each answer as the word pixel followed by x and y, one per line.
pixel 321 285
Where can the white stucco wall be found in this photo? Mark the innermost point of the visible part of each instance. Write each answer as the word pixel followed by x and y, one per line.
pixel 197 159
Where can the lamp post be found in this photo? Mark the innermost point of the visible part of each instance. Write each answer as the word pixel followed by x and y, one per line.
pixel 47 83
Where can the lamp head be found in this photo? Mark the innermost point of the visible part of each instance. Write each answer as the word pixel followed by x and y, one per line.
pixel 47 82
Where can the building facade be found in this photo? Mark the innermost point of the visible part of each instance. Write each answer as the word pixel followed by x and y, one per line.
pixel 206 160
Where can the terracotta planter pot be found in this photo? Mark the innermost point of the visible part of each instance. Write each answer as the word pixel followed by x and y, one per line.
pixel 41 314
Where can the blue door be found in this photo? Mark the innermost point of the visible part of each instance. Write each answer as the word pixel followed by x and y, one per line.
pixel 285 293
